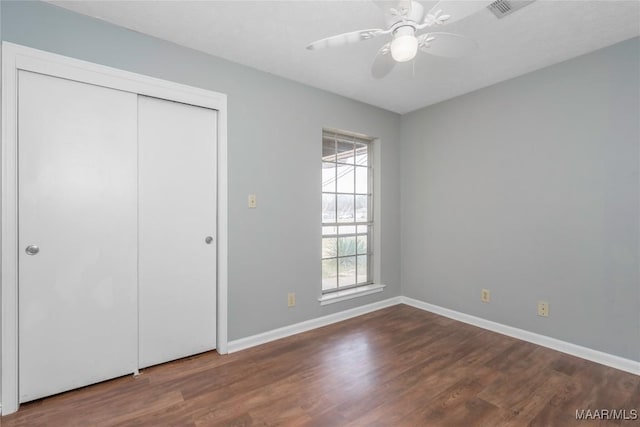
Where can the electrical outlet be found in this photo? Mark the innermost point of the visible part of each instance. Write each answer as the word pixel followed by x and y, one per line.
pixel 543 308
pixel 291 299
pixel 252 201
pixel 485 296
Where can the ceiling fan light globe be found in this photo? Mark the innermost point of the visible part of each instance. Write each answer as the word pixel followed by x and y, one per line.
pixel 404 48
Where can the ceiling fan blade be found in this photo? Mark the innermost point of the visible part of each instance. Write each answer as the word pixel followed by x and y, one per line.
pixel 346 38
pixel 454 10
pixel 446 44
pixel 384 63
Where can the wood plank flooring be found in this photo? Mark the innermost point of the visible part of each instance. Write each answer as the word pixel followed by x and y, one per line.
pixel 395 367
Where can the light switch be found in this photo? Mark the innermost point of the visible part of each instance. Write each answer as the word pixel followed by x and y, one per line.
pixel 253 203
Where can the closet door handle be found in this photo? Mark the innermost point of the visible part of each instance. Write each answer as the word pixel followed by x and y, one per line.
pixel 208 240
pixel 32 250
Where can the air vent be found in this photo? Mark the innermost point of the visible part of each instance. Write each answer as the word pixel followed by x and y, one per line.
pixel 502 8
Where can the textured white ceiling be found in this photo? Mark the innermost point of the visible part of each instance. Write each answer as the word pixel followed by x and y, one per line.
pixel 271 36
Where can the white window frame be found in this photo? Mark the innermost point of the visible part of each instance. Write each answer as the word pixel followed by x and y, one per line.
pixel 373 285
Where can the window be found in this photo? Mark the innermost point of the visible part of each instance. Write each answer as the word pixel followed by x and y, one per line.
pixel 347 223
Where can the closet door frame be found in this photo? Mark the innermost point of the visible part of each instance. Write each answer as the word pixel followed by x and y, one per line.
pixel 15 58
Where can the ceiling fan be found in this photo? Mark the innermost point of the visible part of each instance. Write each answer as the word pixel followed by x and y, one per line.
pixel 404 19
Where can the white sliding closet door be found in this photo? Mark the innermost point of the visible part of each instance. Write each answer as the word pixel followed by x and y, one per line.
pixel 77 234
pixel 177 222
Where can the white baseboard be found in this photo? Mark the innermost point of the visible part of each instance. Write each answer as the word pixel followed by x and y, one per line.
pixel 276 334
pixel 607 359
pixel 603 358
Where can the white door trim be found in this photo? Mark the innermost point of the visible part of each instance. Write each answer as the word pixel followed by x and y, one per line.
pixel 16 57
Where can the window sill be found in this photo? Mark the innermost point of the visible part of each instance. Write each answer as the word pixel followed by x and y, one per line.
pixel 360 291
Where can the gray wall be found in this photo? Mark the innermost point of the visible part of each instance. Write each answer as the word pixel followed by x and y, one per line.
pixel 530 188
pixel 274 138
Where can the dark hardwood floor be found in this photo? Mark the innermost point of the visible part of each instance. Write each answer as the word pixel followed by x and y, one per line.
pixel 395 367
